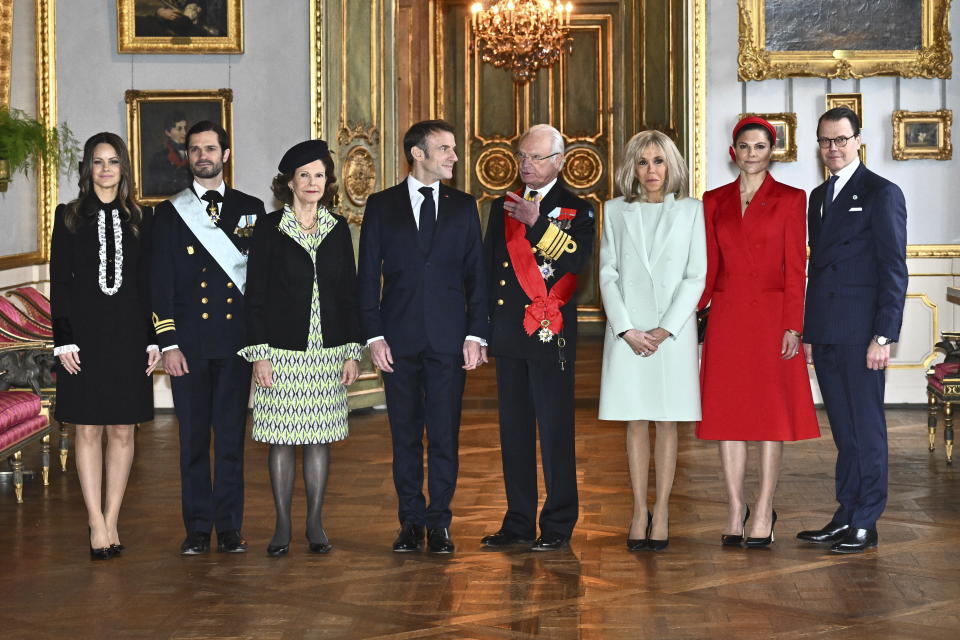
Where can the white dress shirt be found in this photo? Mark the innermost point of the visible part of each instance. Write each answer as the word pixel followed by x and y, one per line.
pixel 843 177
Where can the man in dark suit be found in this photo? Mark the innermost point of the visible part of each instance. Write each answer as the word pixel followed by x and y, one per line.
pixel 857 283
pixel 426 326
pixel 537 240
pixel 200 240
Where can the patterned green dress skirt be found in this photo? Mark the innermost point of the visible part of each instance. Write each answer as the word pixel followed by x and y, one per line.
pixel 306 404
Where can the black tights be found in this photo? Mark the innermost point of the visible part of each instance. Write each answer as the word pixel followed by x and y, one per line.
pixel 283 464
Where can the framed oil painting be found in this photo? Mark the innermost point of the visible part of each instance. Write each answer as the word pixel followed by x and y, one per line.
pixel 157 124
pixel 785 148
pixel 852 101
pixel 921 135
pixel 796 38
pixel 180 26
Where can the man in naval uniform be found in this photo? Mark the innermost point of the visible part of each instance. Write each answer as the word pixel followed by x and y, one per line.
pixel 538 239
pixel 200 242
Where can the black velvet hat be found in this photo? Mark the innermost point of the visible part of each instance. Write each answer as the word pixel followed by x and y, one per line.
pixel 303 153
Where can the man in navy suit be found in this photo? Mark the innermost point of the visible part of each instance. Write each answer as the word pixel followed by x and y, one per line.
pixel 200 240
pixel 426 325
pixel 857 283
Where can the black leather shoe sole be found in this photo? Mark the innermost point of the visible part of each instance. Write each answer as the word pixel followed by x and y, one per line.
pixel 231 548
pixel 540 545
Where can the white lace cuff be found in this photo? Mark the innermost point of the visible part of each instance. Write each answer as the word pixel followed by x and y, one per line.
pixel 65 348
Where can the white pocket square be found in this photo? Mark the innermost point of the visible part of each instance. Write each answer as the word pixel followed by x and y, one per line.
pixel 856 208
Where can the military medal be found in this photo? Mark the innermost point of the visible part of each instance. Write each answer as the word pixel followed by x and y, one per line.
pixel 545 334
pixel 546 270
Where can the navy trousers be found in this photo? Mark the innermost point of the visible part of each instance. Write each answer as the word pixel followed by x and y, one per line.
pixel 853 397
pixel 425 391
pixel 214 395
pixel 534 393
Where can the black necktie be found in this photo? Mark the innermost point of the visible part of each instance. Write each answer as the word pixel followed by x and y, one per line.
pixel 828 199
pixel 212 197
pixel 428 216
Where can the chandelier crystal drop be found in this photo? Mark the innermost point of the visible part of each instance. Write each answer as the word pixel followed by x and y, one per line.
pixel 522 36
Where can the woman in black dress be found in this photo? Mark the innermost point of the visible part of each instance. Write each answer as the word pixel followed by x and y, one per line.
pixel 102 332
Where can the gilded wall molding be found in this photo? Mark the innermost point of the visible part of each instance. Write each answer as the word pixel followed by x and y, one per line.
pixel 46 175
pixel 697 83
pixel 316 67
pixel 6 50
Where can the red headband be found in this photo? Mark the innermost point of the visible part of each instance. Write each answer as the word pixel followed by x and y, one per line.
pixel 752 120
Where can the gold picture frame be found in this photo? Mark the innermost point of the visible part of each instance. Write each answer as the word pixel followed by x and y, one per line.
pixel 45 80
pixel 785 149
pixel 179 26
pixel 156 152
pixel 6 50
pixel 928 56
pixel 852 101
pixel 919 135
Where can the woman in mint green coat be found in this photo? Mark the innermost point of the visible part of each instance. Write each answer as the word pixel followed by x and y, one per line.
pixel 653 265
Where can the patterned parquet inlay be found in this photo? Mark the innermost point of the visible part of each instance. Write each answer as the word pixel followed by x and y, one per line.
pixel 909 588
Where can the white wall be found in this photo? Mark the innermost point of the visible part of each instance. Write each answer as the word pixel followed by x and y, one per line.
pixel 931 187
pixel 270 82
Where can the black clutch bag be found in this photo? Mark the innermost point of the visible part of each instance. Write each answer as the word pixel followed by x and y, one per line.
pixel 702 316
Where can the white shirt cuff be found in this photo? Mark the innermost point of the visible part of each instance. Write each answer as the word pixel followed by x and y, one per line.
pixel 482 342
pixel 152 347
pixel 165 349
pixel 372 340
pixel 65 348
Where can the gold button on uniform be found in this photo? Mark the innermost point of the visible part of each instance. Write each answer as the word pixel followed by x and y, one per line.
pixel 229 316
pixel 203 301
pixel 229 300
pixel 204 315
pixel 229 285
pixel 203 284
pixel 503 283
pixel 500 301
pixel 506 264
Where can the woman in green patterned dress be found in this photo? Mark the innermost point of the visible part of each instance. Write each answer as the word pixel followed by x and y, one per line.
pixel 303 333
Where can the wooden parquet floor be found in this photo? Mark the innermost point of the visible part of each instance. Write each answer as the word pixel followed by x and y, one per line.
pixel 909 588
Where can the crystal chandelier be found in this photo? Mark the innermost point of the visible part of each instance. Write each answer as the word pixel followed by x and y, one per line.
pixel 522 36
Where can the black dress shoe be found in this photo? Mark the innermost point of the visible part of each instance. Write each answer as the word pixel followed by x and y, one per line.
pixel 100 553
pixel 654 545
pixel 639 544
pixel 550 542
pixel 439 541
pixel 728 540
pixel 231 542
pixel 830 533
pixel 757 543
pixel 117 549
pixel 195 543
pixel 277 550
pixel 856 541
pixel 504 538
pixel 320 548
pixel 409 539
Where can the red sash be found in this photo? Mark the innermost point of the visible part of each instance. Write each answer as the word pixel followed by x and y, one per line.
pixel 543 312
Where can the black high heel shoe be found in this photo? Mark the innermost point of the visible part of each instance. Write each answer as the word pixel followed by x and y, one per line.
pixel 759 543
pixel 320 548
pixel 654 545
pixel 277 550
pixel 639 544
pixel 103 553
pixel 728 540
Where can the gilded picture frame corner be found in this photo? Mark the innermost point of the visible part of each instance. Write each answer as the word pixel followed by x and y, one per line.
pixel 135 100
pixel 183 35
pixel 787 122
pixel 932 58
pixel 910 126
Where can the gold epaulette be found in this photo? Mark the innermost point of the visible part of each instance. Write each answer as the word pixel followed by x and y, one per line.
pixel 162 326
pixel 554 243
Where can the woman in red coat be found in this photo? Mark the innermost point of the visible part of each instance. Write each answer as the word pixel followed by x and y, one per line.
pixel 754 387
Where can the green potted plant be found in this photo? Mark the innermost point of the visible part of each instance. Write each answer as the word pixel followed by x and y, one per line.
pixel 24 142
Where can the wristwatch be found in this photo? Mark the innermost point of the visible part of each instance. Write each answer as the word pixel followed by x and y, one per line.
pixel 882 341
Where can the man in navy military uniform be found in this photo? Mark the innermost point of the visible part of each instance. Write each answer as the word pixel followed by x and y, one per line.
pixel 200 242
pixel 537 241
